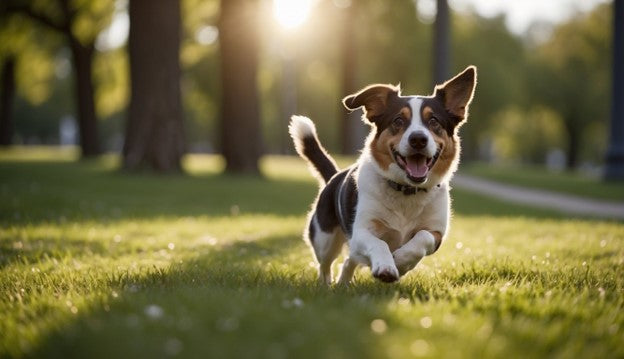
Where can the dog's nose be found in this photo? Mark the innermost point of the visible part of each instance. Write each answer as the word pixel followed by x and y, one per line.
pixel 418 140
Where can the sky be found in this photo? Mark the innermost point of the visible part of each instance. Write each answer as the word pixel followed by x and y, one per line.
pixel 521 13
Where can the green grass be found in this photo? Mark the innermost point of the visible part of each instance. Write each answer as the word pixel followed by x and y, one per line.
pixel 538 177
pixel 99 264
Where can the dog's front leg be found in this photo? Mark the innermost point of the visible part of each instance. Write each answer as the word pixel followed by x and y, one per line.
pixel 366 248
pixel 422 244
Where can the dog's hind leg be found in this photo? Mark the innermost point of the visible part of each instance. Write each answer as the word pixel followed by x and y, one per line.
pixel 326 246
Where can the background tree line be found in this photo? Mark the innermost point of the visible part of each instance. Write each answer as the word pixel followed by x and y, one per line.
pixel 207 75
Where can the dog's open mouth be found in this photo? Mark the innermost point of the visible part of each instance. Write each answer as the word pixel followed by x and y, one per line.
pixel 416 166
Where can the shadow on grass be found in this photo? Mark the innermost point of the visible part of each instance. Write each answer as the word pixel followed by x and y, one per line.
pixel 237 301
pixel 39 192
pixel 245 300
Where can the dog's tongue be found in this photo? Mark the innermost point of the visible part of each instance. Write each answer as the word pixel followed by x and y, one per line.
pixel 417 166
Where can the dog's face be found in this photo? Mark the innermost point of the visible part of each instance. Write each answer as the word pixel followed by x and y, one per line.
pixel 415 136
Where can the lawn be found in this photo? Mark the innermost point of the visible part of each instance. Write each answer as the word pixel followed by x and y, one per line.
pixel 577 184
pixel 98 264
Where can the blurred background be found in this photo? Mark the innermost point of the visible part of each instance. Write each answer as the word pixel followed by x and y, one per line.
pixel 157 80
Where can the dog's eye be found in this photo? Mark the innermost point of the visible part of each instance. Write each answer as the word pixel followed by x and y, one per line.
pixel 398 122
pixel 434 124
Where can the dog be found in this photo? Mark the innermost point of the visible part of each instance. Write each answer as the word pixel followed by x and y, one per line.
pixel 392 207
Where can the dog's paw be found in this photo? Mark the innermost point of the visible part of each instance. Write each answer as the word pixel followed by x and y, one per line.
pixel 386 273
pixel 404 268
pixel 405 261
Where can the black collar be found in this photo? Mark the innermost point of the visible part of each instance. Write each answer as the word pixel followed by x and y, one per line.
pixel 406 189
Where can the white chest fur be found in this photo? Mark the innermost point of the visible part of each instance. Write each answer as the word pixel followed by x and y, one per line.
pixel 394 216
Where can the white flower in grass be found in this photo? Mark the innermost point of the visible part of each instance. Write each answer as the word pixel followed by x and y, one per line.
pixel 154 312
pixel 379 326
pixel 602 292
pixel 295 303
pixel 426 322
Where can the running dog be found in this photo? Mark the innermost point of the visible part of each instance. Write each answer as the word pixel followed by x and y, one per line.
pixel 392 207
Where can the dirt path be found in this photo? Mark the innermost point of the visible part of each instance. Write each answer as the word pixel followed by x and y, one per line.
pixel 540 198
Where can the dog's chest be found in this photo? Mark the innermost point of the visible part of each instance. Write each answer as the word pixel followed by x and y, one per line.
pixel 398 217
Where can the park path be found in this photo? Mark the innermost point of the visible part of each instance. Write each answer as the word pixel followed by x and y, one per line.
pixel 564 203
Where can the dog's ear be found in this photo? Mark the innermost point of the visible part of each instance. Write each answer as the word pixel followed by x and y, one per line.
pixel 373 98
pixel 456 94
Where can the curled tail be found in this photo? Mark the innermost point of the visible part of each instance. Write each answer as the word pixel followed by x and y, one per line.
pixel 303 133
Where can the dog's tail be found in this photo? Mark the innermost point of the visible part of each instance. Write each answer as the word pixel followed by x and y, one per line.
pixel 308 146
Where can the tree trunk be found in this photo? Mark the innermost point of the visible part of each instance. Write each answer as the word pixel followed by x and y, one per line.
pixel 441 43
pixel 352 129
pixel 82 56
pixel 615 153
pixel 289 98
pixel 572 153
pixel 240 115
pixel 6 101
pixel 154 128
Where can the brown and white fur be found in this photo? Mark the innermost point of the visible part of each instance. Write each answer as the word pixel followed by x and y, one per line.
pixel 392 206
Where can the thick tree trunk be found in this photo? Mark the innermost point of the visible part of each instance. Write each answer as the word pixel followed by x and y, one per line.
pixel 240 116
pixel 154 129
pixel 82 56
pixel 352 129
pixel 6 101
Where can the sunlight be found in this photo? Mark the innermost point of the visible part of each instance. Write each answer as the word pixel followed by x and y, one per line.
pixel 291 13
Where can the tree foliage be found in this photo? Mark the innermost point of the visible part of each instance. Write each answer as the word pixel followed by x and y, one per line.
pixel 571 74
pixel 563 79
pixel 78 22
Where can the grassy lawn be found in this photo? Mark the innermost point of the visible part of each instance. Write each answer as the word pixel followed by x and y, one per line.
pixel 99 264
pixel 538 177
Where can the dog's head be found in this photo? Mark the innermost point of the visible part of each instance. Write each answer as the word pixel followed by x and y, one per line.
pixel 415 137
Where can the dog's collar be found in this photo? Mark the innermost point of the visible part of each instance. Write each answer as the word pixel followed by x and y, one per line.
pixel 406 189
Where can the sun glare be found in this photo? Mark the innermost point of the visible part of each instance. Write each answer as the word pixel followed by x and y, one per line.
pixel 291 13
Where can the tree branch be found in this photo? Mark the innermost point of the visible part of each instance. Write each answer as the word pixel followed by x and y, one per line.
pixel 68 11
pixel 41 18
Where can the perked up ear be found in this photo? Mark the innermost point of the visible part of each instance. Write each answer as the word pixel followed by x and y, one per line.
pixel 457 93
pixel 374 98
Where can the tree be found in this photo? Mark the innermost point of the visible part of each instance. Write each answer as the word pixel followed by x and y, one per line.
pixel 497 90
pixel 154 128
pixel 352 131
pixel 572 76
pixel 361 55
pixel 240 115
pixel 20 49
pixel 7 96
pixel 615 154
pixel 79 23
pixel 441 43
